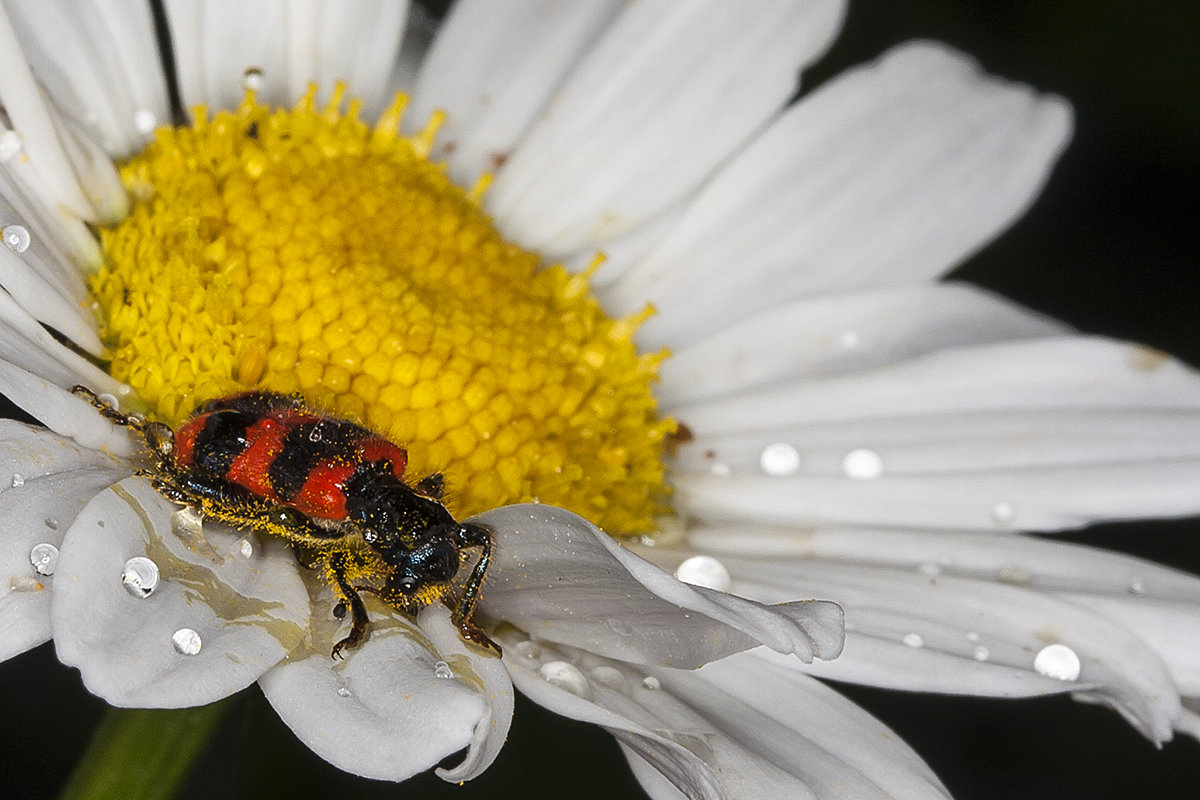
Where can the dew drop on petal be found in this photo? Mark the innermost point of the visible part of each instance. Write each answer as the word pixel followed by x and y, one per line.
pixel 140 576
pixel 144 121
pixel 442 670
pixel 44 557
pixel 16 238
pixel 565 676
pixel 1137 586
pixel 650 682
pixel 252 79
pixel 862 464
pixel 1057 661
pixel 18 480
pixel 51 523
pixel 779 459
pixel 913 640
pixel 704 571
pixel 1003 511
pixel 186 641
pixel 527 649
pixel 981 653
pixel 343 692
pixel 10 145
pixel 245 548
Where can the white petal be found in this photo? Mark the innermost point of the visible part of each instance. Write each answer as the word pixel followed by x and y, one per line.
pixel 99 59
pixel 44 301
pixel 559 577
pixel 248 606
pixel 644 119
pixel 892 173
pixel 1039 434
pixel 66 414
pixel 488 676
pixel 739 728
pixel 44 481
pixel 396 706
pixel 492 67
pixel 842 333
pixel 950 625
pixel 61 244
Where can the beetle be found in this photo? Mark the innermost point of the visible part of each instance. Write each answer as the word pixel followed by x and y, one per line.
pixel 336 491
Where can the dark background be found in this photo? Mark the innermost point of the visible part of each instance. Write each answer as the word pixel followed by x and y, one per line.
pixel 1110 247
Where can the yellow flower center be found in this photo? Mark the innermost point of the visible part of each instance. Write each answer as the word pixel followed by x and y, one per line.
pixel 305 251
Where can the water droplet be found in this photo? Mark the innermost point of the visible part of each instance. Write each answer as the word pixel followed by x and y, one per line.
pixel 246 548
pixel 344 692
pixel 981 653
pixel 18 480
pixel 720 470
pixel 913 640
pixel 607 676
pixel 442 670
pixel 144 120
pixel 704 571
pixel 1057 661
pixel 565 676
pixel 16 237
pixel 51 523
pixel 252 79
pixel 930 568
pixel 44 557
pixel 652 683
pixel 779 459
pixel 1003 511
pixel 316 434
pixel 140 576
pixel 10 145
pixel 186 641
pixel 527 649
pixel 1137 586
pixel 862 464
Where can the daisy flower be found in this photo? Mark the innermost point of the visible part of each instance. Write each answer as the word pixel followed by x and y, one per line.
pixel 760 386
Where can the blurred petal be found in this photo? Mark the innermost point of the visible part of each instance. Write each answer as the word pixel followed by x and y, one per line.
pixel 66 414
pixel 560 578
pixel 892 173
pixel 1038 434
pixel 492 67
pixel 245 602
pixel 645 119
pixel 395 706
pixel 843 333
pixel 44 481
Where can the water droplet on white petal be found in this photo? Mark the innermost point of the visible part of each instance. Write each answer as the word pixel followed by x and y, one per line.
pixel 652 683
pixel 16 237
pixel 565 676
pixel 442 670
pixel 144 120
pixel 913 640
pixel 1057 661
pixel 186 641
pixel 1137 586
pixel 1003 511
pixel 704 571
pixel 252 79
pixel 344 692
pixel 51 523
pixel 18 480
pixel 246 548
pixel 527 649
pixel 981 653
pixel 779 459
pixel 140 576
pixel 862 464
pixel 10 145
pixel 44 557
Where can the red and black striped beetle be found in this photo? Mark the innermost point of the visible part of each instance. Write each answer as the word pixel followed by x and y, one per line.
pixel 333 489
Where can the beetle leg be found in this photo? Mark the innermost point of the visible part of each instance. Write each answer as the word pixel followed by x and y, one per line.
pixel 473 536
pixel 349 596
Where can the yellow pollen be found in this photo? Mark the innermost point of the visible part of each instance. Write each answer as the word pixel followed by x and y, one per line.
pixel 306 251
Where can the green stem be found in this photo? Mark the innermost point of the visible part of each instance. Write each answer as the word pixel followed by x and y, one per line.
pixel 142 753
